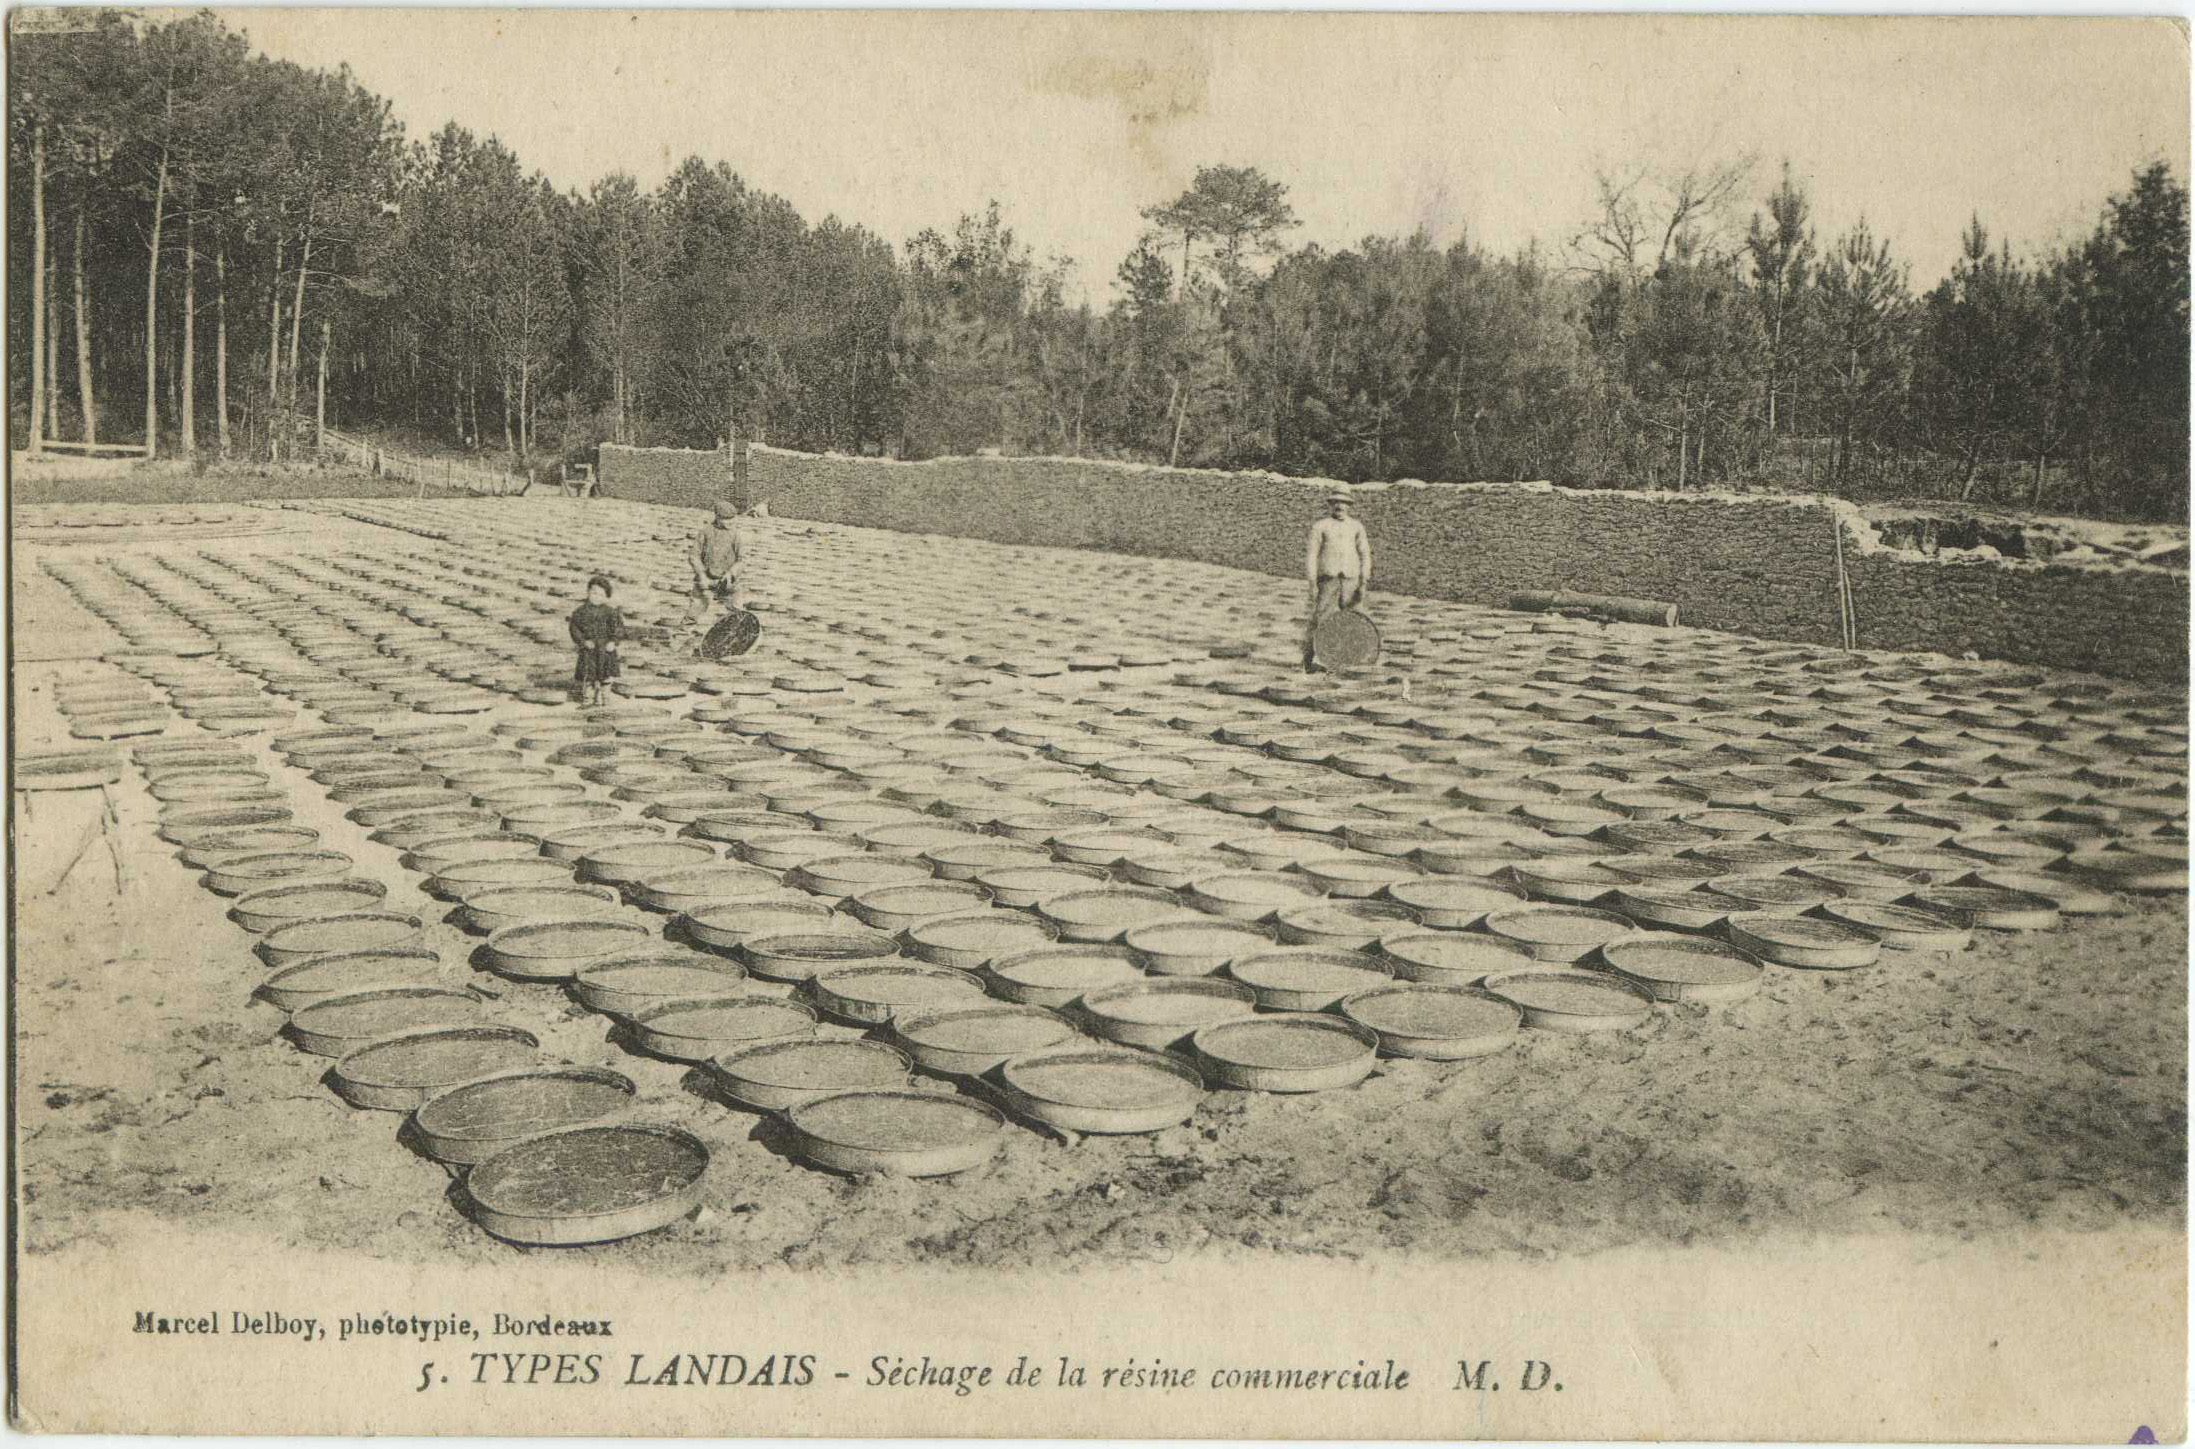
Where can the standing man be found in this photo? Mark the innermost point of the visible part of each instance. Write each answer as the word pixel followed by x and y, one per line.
pixel 1338 566
pixel 715 559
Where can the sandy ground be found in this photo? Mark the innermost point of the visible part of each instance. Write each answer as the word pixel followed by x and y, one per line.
pixel 2031 1081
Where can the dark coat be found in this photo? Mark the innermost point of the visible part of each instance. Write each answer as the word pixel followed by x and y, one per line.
pixel 596 629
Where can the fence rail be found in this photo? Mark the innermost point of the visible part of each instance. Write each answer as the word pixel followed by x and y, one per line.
pixel 426 472
pixel 58 445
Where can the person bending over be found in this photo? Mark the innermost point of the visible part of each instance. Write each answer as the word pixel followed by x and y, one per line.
pixel 714 560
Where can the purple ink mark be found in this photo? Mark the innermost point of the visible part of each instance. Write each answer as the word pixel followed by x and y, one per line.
pixel 2142 1435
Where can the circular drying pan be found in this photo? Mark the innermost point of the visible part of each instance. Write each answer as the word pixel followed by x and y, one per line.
pixel 1161 1012
pixel 1056 975
pixel 869 995
pixel 559 950
pixel 340 1023
pixel 293 941
pixel 397 1073
pixel 968 1041
pixel 1305 978
pixel 698 1028
pixel 592 1184
pixel 624 985
pixel 340 972
pixel 262 910
pixel 782 1074
pixel 903 1133
pixel 1684 968
pixel 1439 1023
pixel 1573 1001
pixel 1286 1053
pixel 1102 1090
pixel 469 1124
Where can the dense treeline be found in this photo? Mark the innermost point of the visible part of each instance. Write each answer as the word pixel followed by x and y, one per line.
pixel 215 236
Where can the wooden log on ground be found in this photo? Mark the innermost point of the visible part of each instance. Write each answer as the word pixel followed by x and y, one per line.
pixel 1600 606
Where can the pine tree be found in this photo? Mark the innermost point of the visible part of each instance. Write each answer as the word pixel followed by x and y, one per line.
pixel 1860 349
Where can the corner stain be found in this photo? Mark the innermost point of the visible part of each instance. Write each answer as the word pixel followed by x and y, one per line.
pixel 2143 1435
pixel 1152 95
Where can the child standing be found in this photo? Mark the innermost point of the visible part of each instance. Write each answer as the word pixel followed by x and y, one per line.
pixel 596 629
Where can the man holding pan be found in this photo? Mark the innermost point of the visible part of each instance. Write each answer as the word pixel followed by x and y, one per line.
pixel 1338 567
pixel 714 561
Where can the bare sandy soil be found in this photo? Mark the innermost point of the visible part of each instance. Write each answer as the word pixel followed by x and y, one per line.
pixel 2030 1080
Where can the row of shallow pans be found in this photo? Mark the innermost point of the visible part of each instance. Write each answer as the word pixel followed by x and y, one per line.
pixel 542 1151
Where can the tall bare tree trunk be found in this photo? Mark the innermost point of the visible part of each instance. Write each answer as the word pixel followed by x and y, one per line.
pixel 53 348
pixel 221 348
pixel 297 312
pixel 167 373
pixel 1775 355
pixel 190 336
pixel 39 360
pixel 1179 404
pixel 320 406
pixel 83 340
pixel 623 261
pixel 152 312
pixel 274 352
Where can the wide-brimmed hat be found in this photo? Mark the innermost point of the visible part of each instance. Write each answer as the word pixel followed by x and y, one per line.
pixel 1338 496
pixel 726 509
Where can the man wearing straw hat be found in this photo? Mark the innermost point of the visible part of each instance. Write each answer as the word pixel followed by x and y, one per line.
pixel 715 559
pixel 1338 566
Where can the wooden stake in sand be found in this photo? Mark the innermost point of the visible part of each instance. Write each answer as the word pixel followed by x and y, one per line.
pixel 1847 625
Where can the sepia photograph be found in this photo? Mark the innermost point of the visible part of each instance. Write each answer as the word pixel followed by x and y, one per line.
pixel 1029 723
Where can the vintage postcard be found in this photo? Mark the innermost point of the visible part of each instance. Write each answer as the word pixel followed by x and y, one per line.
pixel 1181 725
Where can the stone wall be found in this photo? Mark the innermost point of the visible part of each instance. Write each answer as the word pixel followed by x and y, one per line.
pixel 1759 565
pixel 2119 620
pixel 676 476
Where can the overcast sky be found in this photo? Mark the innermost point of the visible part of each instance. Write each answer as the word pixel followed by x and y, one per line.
pixel 1377 124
